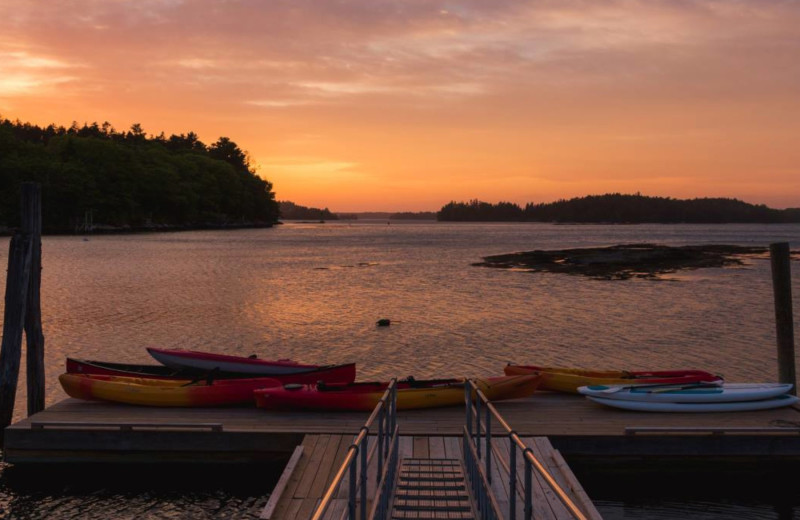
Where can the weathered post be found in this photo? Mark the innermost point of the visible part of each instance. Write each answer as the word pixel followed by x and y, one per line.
pixel 784 319
pixel 32 225
pixel 19 267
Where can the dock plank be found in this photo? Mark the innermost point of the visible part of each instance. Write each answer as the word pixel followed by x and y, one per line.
pixel 327 465
pixel 406 447
pixel 421 448
pixel 436 448
pixel 311 469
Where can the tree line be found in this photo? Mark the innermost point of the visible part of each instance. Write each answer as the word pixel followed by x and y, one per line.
pixel 128 180
pixel 620 208
pixel 292 211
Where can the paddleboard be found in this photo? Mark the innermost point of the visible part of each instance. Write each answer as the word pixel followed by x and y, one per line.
pixel 729 392
pixel 639 406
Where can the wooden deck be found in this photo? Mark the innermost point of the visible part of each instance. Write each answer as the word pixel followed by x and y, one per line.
pixel 74 430
pixel 323 454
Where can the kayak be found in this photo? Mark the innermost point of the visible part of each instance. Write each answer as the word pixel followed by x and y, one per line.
pixel 639 406
pixel 570 379
pixel 327 374
pixel 693 393
pixel 155 392
pixel 410 394
pixel 192 360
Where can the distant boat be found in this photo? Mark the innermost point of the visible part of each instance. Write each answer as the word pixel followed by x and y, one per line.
pixel 206 361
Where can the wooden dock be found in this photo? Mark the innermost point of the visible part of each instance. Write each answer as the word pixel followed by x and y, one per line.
pixel 73 431
pixel 553 425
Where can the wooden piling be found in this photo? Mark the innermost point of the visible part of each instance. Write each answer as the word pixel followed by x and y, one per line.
pixel 19 267
pixel 784 319
pixel 32 225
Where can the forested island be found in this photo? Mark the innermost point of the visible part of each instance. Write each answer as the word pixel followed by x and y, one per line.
pixel 94 177
pixel 619 208
pixel 292 211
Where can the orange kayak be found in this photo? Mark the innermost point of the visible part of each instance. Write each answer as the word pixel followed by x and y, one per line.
pixel 410 394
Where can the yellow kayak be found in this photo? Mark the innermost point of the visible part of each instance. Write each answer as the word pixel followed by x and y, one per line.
pixel 160 392
pixel 568 380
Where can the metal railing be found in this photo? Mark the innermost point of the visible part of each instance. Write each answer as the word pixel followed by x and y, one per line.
pixel 386 447
pixel 481 477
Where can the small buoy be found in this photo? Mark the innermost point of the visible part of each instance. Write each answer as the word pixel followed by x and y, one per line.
pixel 383 322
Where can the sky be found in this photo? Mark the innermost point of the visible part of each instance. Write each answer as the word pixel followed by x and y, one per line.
pixel 405 105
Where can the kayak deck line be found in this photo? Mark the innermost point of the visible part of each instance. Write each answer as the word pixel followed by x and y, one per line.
pixel 126 426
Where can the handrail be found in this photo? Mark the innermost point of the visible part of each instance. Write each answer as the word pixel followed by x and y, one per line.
pixel 530 460
pixel 386 413
pixel 480 480
pixel 380 506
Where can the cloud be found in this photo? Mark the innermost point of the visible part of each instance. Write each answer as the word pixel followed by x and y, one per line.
pixel 23 73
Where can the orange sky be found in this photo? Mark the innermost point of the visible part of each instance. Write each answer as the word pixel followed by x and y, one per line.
pixel 392 105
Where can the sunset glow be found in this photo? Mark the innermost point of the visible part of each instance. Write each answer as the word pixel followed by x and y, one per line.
pixel 390 105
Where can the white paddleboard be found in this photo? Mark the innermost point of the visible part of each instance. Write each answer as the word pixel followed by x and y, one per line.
pixel 639 406
pixel 729 392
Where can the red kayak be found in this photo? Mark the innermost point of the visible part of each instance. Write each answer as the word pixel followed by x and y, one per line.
pixel 327 374
pixel 192 360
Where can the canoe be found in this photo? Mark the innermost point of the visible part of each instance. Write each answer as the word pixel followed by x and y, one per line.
pixel 192 360
pixel 693 393
pixel 328 374
pixel 155 392
pixel 639 406
pixel 568 380
pixel 410 394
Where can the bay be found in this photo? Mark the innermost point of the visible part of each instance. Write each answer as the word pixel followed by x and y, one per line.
pixel 313 292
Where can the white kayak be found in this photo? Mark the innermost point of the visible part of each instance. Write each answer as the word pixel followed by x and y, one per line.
pixel 726 393
pixel 640 406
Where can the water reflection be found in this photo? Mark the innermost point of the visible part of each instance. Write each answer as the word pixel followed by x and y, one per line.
pixel 135 491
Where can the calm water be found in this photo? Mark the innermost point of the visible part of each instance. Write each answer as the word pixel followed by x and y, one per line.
pixel 314 291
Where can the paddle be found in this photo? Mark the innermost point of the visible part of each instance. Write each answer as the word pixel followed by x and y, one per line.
pixel 664 387
pixel 209 378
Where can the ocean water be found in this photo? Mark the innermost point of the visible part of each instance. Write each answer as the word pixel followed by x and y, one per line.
pixel 313 292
